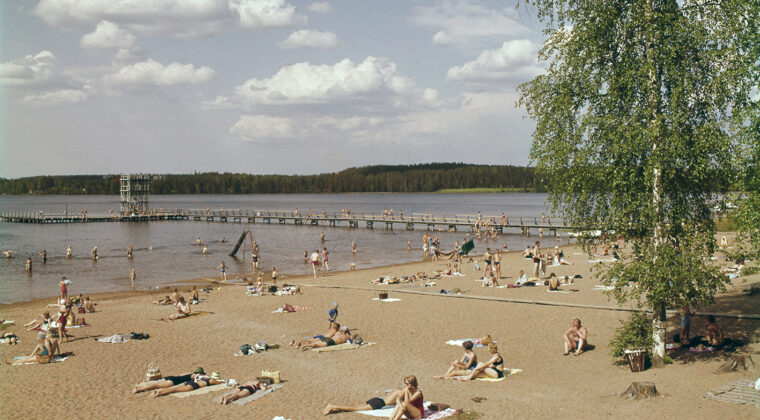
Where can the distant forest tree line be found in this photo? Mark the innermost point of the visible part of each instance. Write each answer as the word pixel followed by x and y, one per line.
pixel 428 177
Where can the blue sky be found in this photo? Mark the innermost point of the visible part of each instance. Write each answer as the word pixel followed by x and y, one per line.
pixel 261 86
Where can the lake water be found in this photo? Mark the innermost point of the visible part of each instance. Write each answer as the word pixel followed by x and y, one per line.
pixel 164 254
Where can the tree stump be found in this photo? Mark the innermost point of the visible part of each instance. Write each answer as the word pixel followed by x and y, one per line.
pixel 738 363
pixel 639 391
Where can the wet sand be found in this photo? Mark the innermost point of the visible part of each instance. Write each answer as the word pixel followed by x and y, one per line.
pixel 410 335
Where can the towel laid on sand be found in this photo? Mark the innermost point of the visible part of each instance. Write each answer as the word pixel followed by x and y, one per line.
pixel 563 291
pixel 199 391
pixel 6 322
pixel 507 372
pixel 430 415
pixel 55 359
pixel 192 315
pixel 739 392
pixel 256 395
pixel 116 339
pixel 387 300
pixel 608 260
pixel 603 287
pixel 339 347
pixel 475 342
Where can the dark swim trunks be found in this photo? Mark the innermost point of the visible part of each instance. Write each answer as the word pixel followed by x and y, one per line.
pixel 328 340
pixel 176 380
pixel 376 403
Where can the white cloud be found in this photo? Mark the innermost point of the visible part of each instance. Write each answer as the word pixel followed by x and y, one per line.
pixel 107 35
pixel 463 19
pixel 153 73
pixel 305 38
pixel 30 70
pixel 261 127
pixel 57 97
pixel 178 18
pixel 375 82
pixel 320 7
pixel 442 38
pixel 514 60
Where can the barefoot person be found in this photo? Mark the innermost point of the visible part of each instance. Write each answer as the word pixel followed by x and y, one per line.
pixel 410 402
pixel 463 366
pixel 713 332
pixel 183 309
pixel 315 262
pixel 167 381
pixel 199 381
pixel 376 403
pixel 341 336
pixel 132 277
pixel 334 327
pixel 576 338
pixel 493 368
pixel 242 391
pixel 223 269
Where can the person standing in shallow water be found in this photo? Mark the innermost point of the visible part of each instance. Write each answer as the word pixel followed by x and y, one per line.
pixel 133 277
pixel 315 261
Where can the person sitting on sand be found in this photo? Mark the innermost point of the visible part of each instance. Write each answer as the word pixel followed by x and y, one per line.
pixel 166 300
pixel 553 282
pixel 493 368
pixel 376 403
pixel 40 354
pixel 242 391
pixel 175 296
pixel 195 296
pixel 490 281
pixel 43 323
pixel 341 336
pixel 334 327
pixel 522 279
pixel 199 381
pixel 410 402
pixel 87 304
pixel 183 309
pixel 167 381
pixel 463 366
pixel 576 338
pixel 713 332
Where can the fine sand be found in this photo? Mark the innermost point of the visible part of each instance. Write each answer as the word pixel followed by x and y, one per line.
pixel 97 381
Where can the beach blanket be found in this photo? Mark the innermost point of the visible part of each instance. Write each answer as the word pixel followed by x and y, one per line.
pixel 116 339
pixel 608 260
pixel 199 391
pixel 701 350
pixel 8 340
pixel 344 346
pixel 739 392
pixel 387 300
pixel 297 309
pixel 6 322
pixel 603 287
pixel 55 359
pixel 563 291
pixel 507 372
pixel 475 342
pixel 192 315
pixel 429 415
pixel 253 397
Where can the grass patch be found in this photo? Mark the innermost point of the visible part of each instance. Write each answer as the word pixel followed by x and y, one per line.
pixel 726 224
pixel 484 190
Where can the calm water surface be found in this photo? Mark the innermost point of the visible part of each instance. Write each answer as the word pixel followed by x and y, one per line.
pixel 164 254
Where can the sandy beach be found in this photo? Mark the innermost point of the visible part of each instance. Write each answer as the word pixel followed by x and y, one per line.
pixel 97 381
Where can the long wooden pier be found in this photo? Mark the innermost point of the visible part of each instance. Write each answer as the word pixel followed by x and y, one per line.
pixel 353 220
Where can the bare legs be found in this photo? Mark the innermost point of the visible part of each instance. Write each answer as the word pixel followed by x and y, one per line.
pixel 150 386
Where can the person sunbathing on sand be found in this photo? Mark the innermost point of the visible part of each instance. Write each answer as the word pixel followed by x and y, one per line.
pixel 43 323
pixel 576 338
pixel 341 336
pixel 376 403
pixel 334 327
pixel 242 391
pixel 167 381
pixel 493 368
pixel 165 301
pixel 199 381
pixel 41 353
pixel 410 402
pixel 464 365
pixel 553 282
pixel 183 309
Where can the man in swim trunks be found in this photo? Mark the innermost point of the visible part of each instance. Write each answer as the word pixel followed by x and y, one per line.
pixel 576 338
pixel 315 261
pixel 340 337
pixel 376 403
pixel 167 382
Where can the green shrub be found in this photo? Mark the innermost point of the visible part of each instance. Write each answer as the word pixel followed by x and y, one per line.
pixel 633 333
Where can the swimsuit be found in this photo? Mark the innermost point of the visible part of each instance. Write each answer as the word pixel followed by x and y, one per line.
pixel 176 380
pixel 329 341
pixel 251 388
pixel 44 351
pixel 376 403
pixel 466 361
pixel 498 371
pixel 418 403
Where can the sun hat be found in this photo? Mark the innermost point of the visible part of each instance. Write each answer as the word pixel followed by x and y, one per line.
pixel 232 382
pixel 200 370
pixel 216 375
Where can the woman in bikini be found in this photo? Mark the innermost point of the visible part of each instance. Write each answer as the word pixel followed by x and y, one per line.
pixel 242 391
pixel 462 366
pixel 199 381
pixel 40 353
pixel 167 382
pixel 410 402
pixel 376 403
pixel 493 368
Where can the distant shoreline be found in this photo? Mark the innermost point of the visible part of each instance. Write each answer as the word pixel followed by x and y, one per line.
pixel 485 190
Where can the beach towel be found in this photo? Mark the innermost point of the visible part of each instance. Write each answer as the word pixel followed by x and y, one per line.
pixel 199 391
pixel 603 287
pixel 429 415
pixel 297 309
pixel 192 315
pixel 6 322
pixel 507 372
pixel 467 247
pixel 475 342
pixel 563 291
pixel 344 346
pixel 608 260
pixel 256 395
pixel 8 340
pixel 739 392
pixel 115 339
pixel 387 299
pixel 55 359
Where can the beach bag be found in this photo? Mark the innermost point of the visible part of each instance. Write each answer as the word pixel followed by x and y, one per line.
pixel 383 295
pixel 245 349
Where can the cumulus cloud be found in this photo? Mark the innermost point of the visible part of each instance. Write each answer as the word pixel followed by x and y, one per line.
pixel 178 18
pixel 514 60
pixel 56 97
pixel 256 127
pixel 153 73
pixel 107 35
pixel 442 38
pixel 305 38
pixel 29 70
pixel 320 7
pixel 373 81
pixel 462 20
